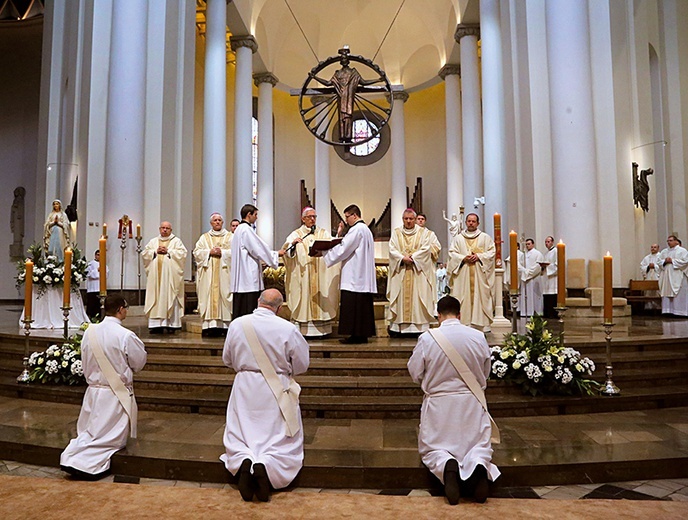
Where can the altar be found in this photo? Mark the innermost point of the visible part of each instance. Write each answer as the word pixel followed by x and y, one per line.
pixel 47 310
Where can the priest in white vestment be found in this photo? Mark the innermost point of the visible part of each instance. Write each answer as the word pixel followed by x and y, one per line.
pixel 548 279
pixel 213 255
pixel 411 285
pixel 163 258
pixel 471 272
pixel 454 436
pixel 673 278
pixel 529 269
pixel 104 425
pixel 248 251
pixel 259 450
pixel 358 283
pixel 312 288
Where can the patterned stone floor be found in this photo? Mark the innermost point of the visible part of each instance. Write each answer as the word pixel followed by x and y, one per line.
pixel 675 489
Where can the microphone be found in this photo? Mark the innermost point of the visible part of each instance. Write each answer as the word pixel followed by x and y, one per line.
pixel 291 247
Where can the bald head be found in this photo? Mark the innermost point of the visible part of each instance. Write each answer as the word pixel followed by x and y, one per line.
pixel 165 229
pixel 270 299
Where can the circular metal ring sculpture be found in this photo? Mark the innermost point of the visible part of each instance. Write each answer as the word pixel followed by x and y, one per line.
pixel 330 104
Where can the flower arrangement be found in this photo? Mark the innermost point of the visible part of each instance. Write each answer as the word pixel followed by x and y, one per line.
pixel 48 271
pixel 59 364
pixel 539 363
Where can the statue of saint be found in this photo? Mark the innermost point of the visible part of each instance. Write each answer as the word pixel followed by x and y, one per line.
pixel 454 223
pixel 56 232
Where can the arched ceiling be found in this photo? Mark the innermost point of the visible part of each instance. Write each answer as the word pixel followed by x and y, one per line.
pixel 420 42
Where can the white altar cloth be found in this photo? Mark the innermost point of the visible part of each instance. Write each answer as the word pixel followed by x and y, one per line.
pixel 47 310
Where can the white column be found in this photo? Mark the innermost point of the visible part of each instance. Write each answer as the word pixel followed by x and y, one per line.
pixel 322 185
pixel 493 112
pixel 124 157
pixel 573 144
pixel 398 145
pixel 471 117
pixel 451 74
pixel 214 194
pixel 244 46
pixel 266 173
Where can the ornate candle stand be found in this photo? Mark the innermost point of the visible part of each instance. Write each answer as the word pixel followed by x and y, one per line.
pixel 138 263
pixel 65 321
pixel 123 247
pixel 561 312
pixel 514 301
pixel 24 377
pixel 609 387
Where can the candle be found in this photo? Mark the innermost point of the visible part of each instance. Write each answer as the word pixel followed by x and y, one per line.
pixel 138 230
pixel 28 290
pixel 608 288
pixel 561 274
pixel 513 251
pixel 67 277
pixel 498 239
pixel 102 267
pixel 104 229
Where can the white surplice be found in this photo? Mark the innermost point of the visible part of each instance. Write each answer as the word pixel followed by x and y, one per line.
pixel 213 278
pixel 673 281
pixel 549 274
pixel 647 272
pixel 530 300
pixel 248 250
pixel 356 252
pixel 255 428
pixel 453 423
pixel 103 425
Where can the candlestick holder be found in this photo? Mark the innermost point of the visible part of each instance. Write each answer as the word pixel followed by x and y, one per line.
pixel 609 387
pixel 122 247
pixel 561 312
pixel 65 321
pixel 138 265
pixel 514 302
pixel 102 305
pixel 24 377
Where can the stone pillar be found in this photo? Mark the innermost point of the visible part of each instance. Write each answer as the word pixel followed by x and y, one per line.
pixel 493 113
pixel 214 194
pixel 244 46
pixel 451 74
pixel 266 173
pixel 471 122
pixel 398 145
pixel 571 111
pixel 124 157
pixel 323 198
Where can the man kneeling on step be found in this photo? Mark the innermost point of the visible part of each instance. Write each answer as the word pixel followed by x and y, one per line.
pixel 263 434
pixel 452 363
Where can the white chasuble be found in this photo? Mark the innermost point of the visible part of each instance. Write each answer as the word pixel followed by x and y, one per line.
pixel 412 288
pixel 213 278
pixel 164 281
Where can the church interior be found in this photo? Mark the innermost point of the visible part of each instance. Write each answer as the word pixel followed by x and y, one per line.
pixel 568 118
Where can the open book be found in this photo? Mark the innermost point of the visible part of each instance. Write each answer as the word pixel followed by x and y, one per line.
pixel 323 245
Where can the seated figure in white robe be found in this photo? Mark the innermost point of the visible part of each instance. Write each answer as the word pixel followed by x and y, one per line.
pixel 213 255
pixel 163 258
pixel 104 423
pixel 455 430
pixel 649 270
pixel 411 286
pixel 529 268
pixel 673 278
pixel 259 450
pixel 312 287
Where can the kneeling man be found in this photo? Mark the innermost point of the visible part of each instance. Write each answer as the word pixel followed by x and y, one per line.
pixel 452 364
pixel 264 435
pixel 110 355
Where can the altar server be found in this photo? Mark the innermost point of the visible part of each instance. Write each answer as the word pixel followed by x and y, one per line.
pixel 529 268
pixel 110 355
pixel 673 278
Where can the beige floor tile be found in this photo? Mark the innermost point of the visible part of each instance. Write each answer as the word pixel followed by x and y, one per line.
pixel 651 489
pixel 566 493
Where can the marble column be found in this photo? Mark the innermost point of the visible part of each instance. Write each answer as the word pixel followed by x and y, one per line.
pixel 265 225
pixel 398 146
pixel 214 187
pixel 323 198
pixel 124 157
pixel 494 135
pixel 244 47
pixel 471 117
pixel 574 165
pixel 451 74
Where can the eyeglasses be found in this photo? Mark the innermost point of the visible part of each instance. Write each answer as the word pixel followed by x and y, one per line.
pixel 310 216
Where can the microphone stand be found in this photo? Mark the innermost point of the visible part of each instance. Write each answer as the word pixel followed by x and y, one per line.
pixel 291 247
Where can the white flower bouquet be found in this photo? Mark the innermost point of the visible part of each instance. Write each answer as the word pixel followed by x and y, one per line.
pixel 58 364
pixel 540 364
pixel 48 271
